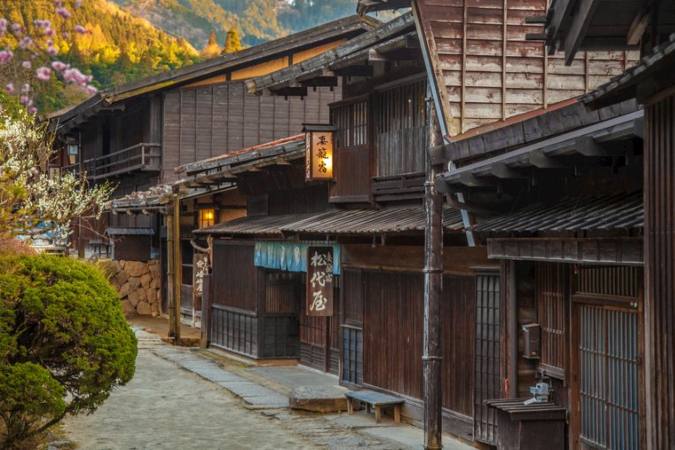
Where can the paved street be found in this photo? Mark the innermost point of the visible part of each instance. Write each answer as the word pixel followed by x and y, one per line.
pixel 166 406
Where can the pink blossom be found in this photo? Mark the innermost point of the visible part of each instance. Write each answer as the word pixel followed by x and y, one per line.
pixel 59 66
pixel 6 56
pixel 91 89
pixel 52 51
pixel 43 73
pixel 16 27
pixel 25 100
pixel 32 110
pixel 63 12
pixel 48 32
pixel 3 26
pixel 40 23
pixel 25 88
pixel 58 3
pixel 26 65
pixel 25 42
pixel 9 87
pixel 80 29
pixel 73 75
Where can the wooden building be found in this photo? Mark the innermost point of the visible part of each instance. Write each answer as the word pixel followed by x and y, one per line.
pixel 556 196
pixel 647 25
pixel 135 135
pixel 370 213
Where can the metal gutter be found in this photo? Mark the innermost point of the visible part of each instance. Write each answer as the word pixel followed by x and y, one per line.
pixel 433 88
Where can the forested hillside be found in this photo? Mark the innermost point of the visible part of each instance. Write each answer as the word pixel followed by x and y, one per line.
pixel 255 20
pixel 115 47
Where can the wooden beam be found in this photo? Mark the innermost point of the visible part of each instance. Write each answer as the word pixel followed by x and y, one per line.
pixel 361 70
pixel 540 160
pixel 577 30
pixel 638 27
pixel 505 172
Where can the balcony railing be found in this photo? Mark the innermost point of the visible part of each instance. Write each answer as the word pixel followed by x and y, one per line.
pixel 139 157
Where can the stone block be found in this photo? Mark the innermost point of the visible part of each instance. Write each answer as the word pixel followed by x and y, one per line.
pixel 322 399
pixel 133 298
pixel 127 307
pixel 150 296
pixel 134 284
pixel 136 268
pixel 124 290
pixel 143 308
pixel 154 307
pixel 145 280
pixel 121 278
pixel 155 283
pixel 142 297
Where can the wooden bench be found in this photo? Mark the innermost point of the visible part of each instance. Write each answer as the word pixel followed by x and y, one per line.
pixel 376 400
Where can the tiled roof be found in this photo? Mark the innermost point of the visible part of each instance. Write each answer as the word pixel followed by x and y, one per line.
pixel 584 213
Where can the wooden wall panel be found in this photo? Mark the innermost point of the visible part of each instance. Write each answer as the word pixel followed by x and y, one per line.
pixel 660 271
pixel 235 278
pixel 205 121
pixel 392 338
pixel 488 71
pixel 392 335
pixel 458 311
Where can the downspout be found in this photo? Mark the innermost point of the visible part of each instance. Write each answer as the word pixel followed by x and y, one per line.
pixel 434 89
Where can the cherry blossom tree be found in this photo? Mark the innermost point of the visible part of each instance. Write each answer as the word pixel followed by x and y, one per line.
pixel 30 57
pixel 33 201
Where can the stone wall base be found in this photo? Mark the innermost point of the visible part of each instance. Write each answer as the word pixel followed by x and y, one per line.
pixel 138 284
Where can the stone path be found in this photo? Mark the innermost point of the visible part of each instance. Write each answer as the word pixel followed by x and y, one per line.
pixel 179 400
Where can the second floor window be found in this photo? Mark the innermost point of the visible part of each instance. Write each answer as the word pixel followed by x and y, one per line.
pixel 207 217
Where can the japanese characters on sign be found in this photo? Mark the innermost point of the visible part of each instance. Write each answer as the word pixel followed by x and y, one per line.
pixel 318 154
pixel 320 281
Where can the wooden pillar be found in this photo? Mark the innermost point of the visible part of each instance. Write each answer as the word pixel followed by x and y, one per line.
pixel 433 289
pixel 659 231
pixel 175 268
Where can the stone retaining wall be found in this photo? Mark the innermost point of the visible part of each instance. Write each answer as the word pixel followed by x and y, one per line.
pixel 138 284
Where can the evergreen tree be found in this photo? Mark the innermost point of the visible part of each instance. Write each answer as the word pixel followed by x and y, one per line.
pixel 212 49
pixel 232 42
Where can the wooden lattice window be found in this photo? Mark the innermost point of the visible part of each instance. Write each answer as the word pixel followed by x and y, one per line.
pixel 351 124
pixel 551 294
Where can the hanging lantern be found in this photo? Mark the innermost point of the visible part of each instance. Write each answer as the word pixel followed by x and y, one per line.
pixel 318 152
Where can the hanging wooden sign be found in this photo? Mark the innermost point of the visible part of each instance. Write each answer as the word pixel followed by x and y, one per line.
pixel 320 281
pixel 318 152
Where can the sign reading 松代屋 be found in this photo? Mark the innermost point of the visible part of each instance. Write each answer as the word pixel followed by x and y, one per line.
pixel 320 281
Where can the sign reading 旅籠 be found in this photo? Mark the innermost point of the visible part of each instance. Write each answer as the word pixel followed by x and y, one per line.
pixel 320 281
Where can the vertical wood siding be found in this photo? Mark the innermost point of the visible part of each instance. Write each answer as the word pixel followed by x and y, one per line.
pixel 487 358
pixel 458 311
pixel 488 71
pixel 550 282
pixel 392 336
pixel 201 122
pixel 235 278
pixel 352 149
pixel 660 267
pixel 400 129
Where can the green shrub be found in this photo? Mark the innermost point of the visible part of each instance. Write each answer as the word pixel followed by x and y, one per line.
pixel 64 343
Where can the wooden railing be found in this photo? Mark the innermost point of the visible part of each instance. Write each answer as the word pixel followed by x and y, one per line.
pixel 406 186
pixel 143 156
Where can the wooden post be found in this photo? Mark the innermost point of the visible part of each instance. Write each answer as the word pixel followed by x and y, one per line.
pixel 168 223
pixel 176 279
pixel 433 289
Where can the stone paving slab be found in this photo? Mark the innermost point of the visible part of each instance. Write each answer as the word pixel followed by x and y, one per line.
pixel 251 393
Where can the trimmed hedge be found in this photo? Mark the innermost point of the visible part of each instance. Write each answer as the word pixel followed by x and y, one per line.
pixel 64 343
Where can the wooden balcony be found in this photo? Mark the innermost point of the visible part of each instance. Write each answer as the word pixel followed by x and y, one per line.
pixel 406 186
pixel 140 157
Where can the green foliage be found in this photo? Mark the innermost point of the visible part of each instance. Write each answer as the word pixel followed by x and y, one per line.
pixel 64 342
